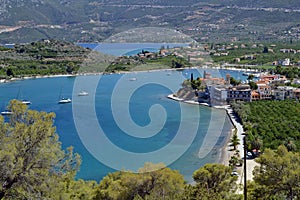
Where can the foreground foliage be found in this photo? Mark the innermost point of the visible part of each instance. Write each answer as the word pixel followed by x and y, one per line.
pixel 32 162
pixel 278 176
pixel 158 183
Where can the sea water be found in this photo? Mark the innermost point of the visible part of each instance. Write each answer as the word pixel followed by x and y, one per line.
pixel 44 94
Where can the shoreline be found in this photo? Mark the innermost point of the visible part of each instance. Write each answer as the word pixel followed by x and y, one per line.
pixel 120 72
pixel 224 152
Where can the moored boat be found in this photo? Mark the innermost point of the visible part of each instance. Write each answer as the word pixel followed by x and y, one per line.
pixel 64 100
pixel 6 112
pixel 83 93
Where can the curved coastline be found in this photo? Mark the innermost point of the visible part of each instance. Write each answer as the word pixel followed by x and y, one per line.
pixel 225 153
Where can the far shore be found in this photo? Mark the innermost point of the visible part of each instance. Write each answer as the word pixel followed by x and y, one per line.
pixel 118 72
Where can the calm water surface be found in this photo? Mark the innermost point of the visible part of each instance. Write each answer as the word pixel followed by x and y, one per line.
pixel 44 94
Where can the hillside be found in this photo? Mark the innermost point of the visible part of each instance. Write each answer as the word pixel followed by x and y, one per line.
pixel 90 21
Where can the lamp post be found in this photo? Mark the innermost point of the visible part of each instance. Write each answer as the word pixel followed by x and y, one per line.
pixel 245 167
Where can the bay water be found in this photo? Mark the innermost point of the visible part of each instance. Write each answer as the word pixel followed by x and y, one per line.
pixel 209 127
pixel 44 94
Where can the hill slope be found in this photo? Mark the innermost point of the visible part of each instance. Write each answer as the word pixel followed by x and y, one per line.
pixel 87 20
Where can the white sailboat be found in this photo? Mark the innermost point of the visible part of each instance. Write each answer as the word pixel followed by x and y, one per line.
pixel 6 111
pixel 63 100
pixel 24 101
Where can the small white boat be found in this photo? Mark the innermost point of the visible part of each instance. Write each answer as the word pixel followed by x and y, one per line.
pixel 132 79
pixel 64 100
pixel 26 102
pixel 6 112
pixel 83 93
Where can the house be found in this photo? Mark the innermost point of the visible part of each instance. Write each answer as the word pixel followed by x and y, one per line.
pixel 239 93
pixel 283 92
pixel 264 91
pixel 296 93
pixel 255 96
pixel 285 62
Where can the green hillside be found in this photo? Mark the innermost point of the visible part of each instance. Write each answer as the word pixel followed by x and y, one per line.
pixel 90 21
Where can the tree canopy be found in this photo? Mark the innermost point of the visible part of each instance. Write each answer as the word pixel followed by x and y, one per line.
pixel 213 181
pixel 162 183
pixel 32 162
pixel 274 122
pixel 278 176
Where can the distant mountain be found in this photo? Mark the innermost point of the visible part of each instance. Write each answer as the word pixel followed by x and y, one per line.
pixel 96 20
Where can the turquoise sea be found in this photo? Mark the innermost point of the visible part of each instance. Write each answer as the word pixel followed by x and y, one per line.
pixel 206 128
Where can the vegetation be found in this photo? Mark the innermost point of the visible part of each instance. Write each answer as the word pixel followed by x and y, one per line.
pixel 41 58
pixel 289 72
pixel 95 21
pixel 212 181
pixel 55 57
pixel 235 141
pixel 32 163
pixel 278 175
pixel 270 123
pixel 151 182
pixel 256 54
pixel 129 63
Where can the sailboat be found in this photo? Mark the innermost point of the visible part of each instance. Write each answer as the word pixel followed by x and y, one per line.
pixel 63 100
pixel 6 112
pixel 24 101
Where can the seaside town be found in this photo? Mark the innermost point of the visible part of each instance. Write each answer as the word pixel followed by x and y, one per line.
pixel 219 91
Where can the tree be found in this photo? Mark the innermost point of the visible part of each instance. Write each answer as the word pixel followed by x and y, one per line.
pixel 10 72
pixel 235 140
pixel 154 181
pixel 256 143
pixel 234 82
pixel 278 174
pixel 290 145
pixel 266 50
pixel 213 181
pixel 32 163
pixel 250 77
pixel 253 85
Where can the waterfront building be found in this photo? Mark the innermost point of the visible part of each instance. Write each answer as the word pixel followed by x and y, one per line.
pixel 239 93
